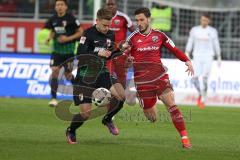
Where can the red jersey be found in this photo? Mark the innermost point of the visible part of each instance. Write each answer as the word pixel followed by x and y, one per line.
pixel 146 50
pixel 120 24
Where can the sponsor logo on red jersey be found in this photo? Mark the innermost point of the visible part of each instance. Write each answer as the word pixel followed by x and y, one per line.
pixel 149 48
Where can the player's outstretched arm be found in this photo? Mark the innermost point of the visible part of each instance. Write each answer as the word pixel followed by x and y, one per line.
pixel 179 54
pixel 76 35
pixel 51 35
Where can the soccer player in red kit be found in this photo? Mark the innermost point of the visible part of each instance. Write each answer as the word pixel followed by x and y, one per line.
pixel 121 23
pixel 151 80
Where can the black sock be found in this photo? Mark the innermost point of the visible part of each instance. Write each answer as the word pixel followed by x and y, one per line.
pixel 54 87
pixel 115 107
pixel 77 121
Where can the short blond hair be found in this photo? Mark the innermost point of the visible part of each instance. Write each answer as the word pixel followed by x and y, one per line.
pixel 104 13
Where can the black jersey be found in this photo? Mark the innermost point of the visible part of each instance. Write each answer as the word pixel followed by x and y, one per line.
pixel 90 44
pixel 65 25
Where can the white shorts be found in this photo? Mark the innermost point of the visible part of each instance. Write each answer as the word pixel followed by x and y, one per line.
pixel 202 67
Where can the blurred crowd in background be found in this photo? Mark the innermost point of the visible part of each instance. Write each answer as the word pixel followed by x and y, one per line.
pixel 26 8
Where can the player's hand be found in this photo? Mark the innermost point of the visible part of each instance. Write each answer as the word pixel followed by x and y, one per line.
pixel 124 47
pixel 190 69
pixel 129 61
pixel 62 39
pixel 47 41
pixel 104 53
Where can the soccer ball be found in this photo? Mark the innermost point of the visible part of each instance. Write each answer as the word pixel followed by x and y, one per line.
pixel 101 97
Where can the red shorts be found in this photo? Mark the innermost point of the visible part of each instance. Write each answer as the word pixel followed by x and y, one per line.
pixel 117 67
pixel 148 93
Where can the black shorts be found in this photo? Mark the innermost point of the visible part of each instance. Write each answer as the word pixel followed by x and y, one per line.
pixel 83 87
pixel 62 60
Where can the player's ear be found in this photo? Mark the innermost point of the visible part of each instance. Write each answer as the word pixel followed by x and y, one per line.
pixel 66 6
pixel 209 21
pixel 149 20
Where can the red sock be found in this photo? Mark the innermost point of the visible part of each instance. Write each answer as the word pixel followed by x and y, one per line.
pixel 178 120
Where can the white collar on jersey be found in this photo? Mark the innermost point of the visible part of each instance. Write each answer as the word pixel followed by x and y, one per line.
pixel 146 35
pixel 117 13
pixel 204 28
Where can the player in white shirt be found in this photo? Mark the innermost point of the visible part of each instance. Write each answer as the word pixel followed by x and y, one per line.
pixel 203 43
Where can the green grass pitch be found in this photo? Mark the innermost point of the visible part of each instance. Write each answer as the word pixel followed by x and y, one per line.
pixel 29 130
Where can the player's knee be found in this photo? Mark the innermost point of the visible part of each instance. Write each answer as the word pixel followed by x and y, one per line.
pixel 122 97
pixel 168 98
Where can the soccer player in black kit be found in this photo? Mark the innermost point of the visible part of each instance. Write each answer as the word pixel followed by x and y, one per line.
pixel 95 47
pixel 65 30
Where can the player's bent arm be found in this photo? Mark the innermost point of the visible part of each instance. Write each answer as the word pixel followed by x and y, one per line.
pixel 51 35
pixel 180 55
pixel 84 44
pixel 83 47
pixel 115 54
pixel 104 53
pixel 189 46
pixel 216 46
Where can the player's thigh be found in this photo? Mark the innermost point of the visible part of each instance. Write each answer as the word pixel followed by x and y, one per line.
pixel 82 92
pixel 110 66
pixel 148 104
pixel 67 62
pixel 55 71
pixel 198 67
pixel 85 110
pixel 56 60
pixel 147 98
pixel 55 64
pixel 207 67
pixel 107 81
pixel 167 97
pixel 120 69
